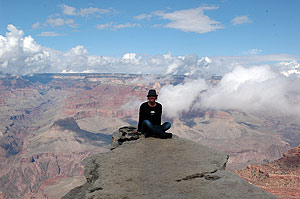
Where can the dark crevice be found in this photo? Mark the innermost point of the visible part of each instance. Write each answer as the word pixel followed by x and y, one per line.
pixel 95 189
pixel 121 140
pixel 93 173
pixel 205 175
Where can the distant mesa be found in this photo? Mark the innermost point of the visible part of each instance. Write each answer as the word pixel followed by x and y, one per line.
pixel 66 124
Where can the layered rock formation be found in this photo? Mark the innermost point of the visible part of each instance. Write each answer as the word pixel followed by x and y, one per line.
pixel 244 137
pixel 33 112
pixel 280 177
pixel 26 175
pixel 161 168
pixel 49 158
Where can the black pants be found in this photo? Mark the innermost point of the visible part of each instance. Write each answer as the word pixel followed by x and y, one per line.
pixel 148 129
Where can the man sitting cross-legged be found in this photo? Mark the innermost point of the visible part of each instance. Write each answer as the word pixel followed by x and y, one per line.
pixel 150 118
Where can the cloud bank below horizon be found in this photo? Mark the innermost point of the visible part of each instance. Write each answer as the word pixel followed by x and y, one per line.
pixel 254 89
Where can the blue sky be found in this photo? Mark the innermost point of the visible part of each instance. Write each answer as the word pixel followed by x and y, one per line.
pixel 266 26
pixel 90 35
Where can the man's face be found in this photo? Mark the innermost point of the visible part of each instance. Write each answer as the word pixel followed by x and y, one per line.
pixel 152 98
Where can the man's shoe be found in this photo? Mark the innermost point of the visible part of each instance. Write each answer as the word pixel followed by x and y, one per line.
pixel 146 134
pixel 168 135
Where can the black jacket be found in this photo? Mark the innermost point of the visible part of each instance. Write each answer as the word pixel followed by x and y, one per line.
pixel 153 114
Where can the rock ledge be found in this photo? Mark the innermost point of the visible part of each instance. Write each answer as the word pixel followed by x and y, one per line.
pixel 161 168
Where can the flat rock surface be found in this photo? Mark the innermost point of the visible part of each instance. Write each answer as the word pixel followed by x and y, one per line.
pixel 162 168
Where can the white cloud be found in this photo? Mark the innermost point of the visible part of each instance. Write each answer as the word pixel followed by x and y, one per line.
pixel 241 20
pixel 56 22
pixel 254 89
pixel 291 68
pixel 36 25
pixel 69 10
pixel 104 26
pixel 71 23
pixel 253 52
pixel 91 10
pixel 191 20
pixel 242 89
pixel 61 22
pixel 78 50
pixel 21 55
pixel 50 34
pixel 111 26
pixel 143 16
pixel 127 25
pixel 129 56
pixel 180 98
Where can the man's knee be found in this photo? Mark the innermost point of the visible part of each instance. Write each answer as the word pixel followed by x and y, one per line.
pixel 166 126
pixel 147 123
pixel 147 126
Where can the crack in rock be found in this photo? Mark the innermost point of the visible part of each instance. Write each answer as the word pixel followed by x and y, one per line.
pixel 205 175
pixel 93 175
pixel 95 189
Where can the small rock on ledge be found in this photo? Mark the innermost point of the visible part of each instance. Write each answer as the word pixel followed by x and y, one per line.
pixel 124 134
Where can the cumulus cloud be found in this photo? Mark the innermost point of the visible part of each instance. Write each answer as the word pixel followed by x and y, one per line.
pixel 69 10
pixel 191 20
pixel 289 69
pixel 131 58
pixel 20 55
pixel 240 20
pixel 254 89
pixel 18 52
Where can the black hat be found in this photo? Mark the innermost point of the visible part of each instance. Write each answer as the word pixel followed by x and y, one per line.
pixel 152 92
